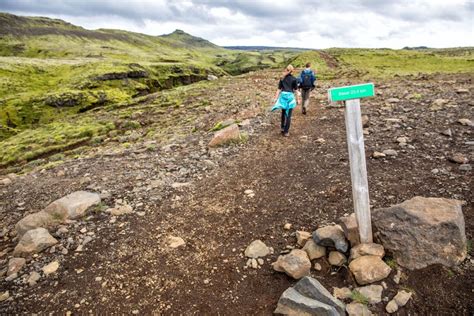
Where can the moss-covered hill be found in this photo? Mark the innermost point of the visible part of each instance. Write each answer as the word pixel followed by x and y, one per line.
pixel 56 77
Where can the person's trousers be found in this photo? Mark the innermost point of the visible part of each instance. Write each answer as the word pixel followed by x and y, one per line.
pixel 305 96
pixel 285 120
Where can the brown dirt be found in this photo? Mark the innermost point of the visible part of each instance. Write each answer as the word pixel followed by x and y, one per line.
pixel 297 180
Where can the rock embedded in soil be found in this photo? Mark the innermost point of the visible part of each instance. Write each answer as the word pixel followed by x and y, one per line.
pixel 402 298
pixel 15 265
pixel 391 307
pixel 311 288
pixel 423 231
pixel 175 242
pixel 34 241
pixel 369 269
pixel 465 167
pixel 33 278
pixel 465 122
pixel 367 249
pixel 296 264
pixel 73 205
pixel 313 250
pixel 331 236
pixel 4 296
pixel 350 228
pixel 36 220
pixel 459 158
pixel 50 268
pixel 6 181
pixel 291 302
pixel 377 155
pixel 372 292
pixel 317 266
pixel 302 237
pixel 257 249
pixel 226 135
pixel 390 152
pixel 358 309
pixel 336 258
pixel 120 209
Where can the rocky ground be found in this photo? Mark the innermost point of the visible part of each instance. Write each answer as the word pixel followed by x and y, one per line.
pixel 415 139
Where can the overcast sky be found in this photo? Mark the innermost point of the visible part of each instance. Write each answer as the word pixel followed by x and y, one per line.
pixel 297 23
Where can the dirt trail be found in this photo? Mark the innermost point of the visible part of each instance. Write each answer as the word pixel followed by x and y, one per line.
pixel 303 180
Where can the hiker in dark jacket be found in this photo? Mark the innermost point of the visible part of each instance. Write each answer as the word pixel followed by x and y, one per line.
pixel 306 80
pixel 286 99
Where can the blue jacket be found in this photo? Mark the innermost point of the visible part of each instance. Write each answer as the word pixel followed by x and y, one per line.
pixel 303 73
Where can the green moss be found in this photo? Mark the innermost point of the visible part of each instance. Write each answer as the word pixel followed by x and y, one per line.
pixel 391 262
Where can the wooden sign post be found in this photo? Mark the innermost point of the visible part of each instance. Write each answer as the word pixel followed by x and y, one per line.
pixel 355 142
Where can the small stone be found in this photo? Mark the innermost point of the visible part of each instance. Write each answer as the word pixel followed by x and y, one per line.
pixel 369 269
pixel 175 242
pixel 342 293
pixel 287 226
pixel 302 237
pixel 135 312
pixel 390 152
pixel 226 135
pixel 33 278
pixel 447 132
pixel 291 302
pixel 372 292
pixel 206 281
pixel 4 296
pixel 465 167
pixel 296 264
pixel 393 100
pixel 462 91
pixel 313 250
pixel 260 261
pixel 397 276
pixel 435 171
pixel 34 241
pixel 391 307
pixel 365 121
pixel 15 265
pixel 98 279
pixel 256 249
pixel 350 228
pixel 377 155
pixel 357 309
pixel 11 277
pixel 336 258
pixel 50 268
pixel 459 158
pixel 331 236
pixel 465 122
pixel 254 263
pixel 367 249
pixel 6 182
pixel 317 266
pixel 120 209
pixel 402 139
pixel 402 298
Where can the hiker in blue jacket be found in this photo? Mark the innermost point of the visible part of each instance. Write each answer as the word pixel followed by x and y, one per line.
pixel 306 80
pixel 286 99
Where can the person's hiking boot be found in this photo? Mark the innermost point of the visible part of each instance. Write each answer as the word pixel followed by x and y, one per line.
pixel 286 134
pixel 304 111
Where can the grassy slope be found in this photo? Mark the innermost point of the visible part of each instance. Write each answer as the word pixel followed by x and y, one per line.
pixel 56 78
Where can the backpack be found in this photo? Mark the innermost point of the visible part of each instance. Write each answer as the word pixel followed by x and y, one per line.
pixel 306 82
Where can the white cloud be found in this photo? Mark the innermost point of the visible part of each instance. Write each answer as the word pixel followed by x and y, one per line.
pixel 302 23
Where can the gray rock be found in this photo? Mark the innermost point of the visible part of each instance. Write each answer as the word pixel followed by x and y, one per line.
pixel 466 122
pixel 372 292
pixel 465 167
pixel 423 231
pixel 342 293
pixel 402 298
pixel 50 268
pixel 391 307
pixel 393 100
pixel 73 205
pixel 34 241
pixel 357 309
pixel 33 278
pixel 15 265
pixel 458 158
pixel 257 249
pixel 378 154
pixel 35 220
pixel 293 303
pixel 331 236
pixel 369 269
pixel 311 288
pixel 390 152
pixel 211 77
pixel 296 264
pixel 6 181
pixel 313 250
pixel 4 296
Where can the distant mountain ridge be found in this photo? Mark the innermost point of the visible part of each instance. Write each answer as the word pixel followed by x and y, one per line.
pixel 259 48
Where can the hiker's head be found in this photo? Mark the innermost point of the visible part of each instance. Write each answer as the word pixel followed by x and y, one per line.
pixel 289 69
pixel 308 65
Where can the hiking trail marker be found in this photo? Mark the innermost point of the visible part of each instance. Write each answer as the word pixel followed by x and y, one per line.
pixel 355 142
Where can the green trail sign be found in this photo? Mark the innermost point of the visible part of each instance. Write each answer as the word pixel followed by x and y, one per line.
pixel 351 92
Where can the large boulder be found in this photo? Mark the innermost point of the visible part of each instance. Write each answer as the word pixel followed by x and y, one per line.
pixel 34 241
pixel 224 136
pixel 422 231
pixel 71 206
pixel 296 264
pixel 331 236
pixel 369 269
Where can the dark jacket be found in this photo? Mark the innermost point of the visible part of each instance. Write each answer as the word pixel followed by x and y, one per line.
pixel 311 75
pixel 288 84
